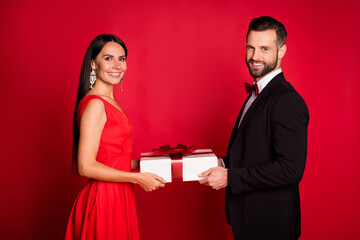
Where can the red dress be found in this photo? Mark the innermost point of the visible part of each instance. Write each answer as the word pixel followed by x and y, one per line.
pixel 106 210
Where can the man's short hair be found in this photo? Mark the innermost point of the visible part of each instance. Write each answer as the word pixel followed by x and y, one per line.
pixel 268 23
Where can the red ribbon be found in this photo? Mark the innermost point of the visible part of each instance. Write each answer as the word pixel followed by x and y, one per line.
pixel 175 154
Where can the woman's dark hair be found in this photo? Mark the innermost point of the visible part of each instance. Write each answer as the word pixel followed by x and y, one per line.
pixel 93 50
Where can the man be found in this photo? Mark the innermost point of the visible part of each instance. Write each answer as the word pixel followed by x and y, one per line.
pixel 267 151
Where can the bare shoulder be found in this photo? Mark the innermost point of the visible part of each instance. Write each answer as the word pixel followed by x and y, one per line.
pixel 95 104
pixel 94 111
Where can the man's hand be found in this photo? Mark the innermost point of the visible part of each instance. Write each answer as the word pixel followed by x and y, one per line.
pixel 215 178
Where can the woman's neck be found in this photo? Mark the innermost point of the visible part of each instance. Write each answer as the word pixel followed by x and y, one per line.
pixel 103 89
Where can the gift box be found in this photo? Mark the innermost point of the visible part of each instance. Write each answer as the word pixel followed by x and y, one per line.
pixel 178 167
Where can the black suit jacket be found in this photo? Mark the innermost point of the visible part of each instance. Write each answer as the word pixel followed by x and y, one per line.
pixel 266 160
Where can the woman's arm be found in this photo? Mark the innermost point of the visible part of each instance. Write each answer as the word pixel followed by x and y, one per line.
pixel 92 123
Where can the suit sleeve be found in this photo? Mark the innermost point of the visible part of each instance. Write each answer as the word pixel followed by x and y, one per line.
pixel 289 119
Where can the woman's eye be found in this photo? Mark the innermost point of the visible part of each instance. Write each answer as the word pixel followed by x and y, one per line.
pixel 122 59
pixel 108 59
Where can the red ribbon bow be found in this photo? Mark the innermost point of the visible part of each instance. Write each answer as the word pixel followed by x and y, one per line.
pixel 176 154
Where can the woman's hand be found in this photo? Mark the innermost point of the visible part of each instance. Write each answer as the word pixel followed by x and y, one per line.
pixel 150 181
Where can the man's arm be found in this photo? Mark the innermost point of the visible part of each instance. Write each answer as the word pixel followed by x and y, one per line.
pixel 289 122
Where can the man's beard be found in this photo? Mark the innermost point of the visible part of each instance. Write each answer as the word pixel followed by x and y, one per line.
pixel 268 67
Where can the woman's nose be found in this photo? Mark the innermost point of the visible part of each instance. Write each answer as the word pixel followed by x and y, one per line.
pixel 117 65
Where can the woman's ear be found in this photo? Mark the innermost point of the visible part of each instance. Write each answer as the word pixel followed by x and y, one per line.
pixel 93 66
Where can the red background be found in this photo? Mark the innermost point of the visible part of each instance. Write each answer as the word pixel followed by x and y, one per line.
pixel 184 84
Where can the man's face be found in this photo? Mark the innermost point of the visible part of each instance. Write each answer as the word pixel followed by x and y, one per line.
pixel 262 53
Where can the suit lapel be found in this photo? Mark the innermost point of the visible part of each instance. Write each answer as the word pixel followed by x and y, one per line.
pixel 236 127
pixel 259 99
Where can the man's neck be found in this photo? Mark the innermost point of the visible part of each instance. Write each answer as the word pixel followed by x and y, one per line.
pixel 273 72
pixel 261 83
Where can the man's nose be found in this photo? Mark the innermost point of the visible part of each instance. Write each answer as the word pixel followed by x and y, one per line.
pixel 256 55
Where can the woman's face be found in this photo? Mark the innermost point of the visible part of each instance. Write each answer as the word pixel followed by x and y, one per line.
pixel 110 63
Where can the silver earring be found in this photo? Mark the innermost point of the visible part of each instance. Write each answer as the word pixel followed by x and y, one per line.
pixel 121 81
pixel 92 78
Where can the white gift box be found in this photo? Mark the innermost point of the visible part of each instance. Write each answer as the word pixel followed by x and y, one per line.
pixel 192 165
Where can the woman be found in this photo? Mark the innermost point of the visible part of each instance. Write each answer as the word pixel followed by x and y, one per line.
pixel 102 146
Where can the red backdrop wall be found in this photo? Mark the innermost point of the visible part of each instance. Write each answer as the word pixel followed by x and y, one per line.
pixel 184 84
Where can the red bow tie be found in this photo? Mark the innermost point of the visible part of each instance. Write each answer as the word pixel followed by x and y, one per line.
pixel 249 88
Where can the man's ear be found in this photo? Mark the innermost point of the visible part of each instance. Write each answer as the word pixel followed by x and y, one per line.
pixel 282 51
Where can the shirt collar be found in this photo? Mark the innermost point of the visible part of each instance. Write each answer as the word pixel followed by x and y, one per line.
pixel 265 80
